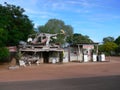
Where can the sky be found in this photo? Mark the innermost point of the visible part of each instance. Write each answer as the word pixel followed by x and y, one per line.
pixel 95 18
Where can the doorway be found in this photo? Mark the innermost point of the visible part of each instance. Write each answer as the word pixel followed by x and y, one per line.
pixel 46 57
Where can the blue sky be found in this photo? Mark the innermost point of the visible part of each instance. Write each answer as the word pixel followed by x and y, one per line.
pixel 95 18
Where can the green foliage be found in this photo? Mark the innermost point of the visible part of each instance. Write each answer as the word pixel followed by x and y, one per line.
pixel 101 48
pixel 18 55
pixel 4 54
pixel 108 39
pixel 79 38
pixel 109 47
pixel 117 50
pixel 16 24
pixel 3 37
pixel 117 41
pixel 54 26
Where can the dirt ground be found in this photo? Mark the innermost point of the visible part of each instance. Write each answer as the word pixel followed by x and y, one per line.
pixel 61 71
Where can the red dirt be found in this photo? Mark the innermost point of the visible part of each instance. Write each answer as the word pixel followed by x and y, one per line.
pixel 61 71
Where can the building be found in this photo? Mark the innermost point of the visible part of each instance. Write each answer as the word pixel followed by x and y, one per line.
pixel 83 52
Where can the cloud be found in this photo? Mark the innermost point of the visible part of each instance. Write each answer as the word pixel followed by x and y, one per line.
pixel 33 2
pixel 53 5
pixel 64 4
pixel 83 3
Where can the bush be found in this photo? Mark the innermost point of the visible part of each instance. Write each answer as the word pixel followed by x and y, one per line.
pixel 4 54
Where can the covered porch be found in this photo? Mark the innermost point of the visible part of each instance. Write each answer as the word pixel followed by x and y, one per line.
pixel 84 52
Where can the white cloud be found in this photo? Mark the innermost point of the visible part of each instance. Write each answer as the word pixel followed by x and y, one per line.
pixel 33 2
pixel 82 3
pixel 40 13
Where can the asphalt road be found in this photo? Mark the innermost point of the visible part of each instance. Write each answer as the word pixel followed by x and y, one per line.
pixel 95 83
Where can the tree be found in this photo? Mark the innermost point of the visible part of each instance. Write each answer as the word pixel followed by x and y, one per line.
pixel 4 54
pixel 79 38
pixel 108 39
pixel 101 48
pixel 3 37
pixel 117 41
pixel 117 50
pixel 54 26
pixel 109 47
pixel 16 24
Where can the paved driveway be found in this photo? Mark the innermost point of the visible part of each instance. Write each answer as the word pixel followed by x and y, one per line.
pixel 94 83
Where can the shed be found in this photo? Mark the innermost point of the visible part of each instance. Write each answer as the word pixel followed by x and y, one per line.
pixel 83 51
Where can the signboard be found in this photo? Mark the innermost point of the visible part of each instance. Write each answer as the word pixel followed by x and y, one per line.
pixel 88 46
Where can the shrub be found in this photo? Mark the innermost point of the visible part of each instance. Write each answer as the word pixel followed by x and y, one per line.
pixel 4 54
